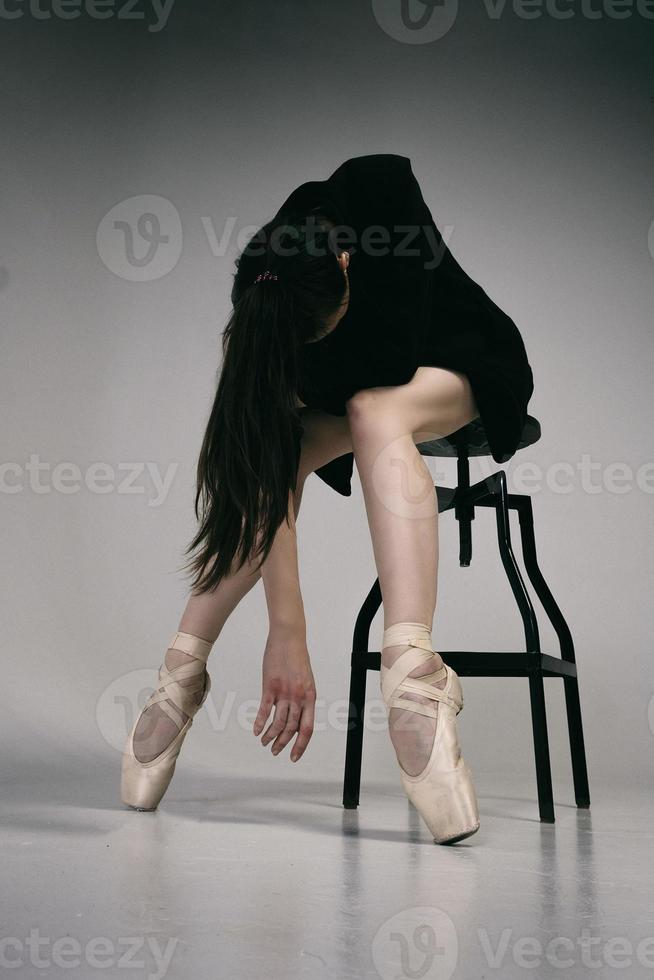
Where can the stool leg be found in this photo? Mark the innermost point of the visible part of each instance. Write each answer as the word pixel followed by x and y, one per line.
pixel 354 742
pixel 571 684
pixel 464 513
pixel 576 735
pixel 359 666
pixel 532 639
pixel 541 748
pixel 518 587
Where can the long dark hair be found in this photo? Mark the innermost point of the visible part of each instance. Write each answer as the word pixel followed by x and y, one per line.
pixel 248 460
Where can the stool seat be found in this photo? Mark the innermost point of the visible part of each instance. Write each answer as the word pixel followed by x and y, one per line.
pixel 471 440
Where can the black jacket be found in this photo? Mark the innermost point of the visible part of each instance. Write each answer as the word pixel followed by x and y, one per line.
pixel 410 304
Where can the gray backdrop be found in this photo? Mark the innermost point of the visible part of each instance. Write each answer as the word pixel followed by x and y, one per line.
pixel 530 137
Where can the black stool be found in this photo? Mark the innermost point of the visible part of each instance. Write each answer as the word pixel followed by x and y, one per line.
pixel 468 441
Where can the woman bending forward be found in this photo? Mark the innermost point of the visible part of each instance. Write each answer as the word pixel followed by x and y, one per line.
pixel 354 335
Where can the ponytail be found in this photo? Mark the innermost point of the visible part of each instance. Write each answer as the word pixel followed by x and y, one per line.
pixel 250 451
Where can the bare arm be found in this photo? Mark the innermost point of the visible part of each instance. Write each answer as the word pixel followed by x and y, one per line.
pixel 281 578
pixel 288 684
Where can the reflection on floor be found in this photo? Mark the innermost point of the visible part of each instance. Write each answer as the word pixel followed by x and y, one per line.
pixel 272 878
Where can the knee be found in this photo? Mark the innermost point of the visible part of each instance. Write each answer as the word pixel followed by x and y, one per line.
pixel 358 403
pixel 369 407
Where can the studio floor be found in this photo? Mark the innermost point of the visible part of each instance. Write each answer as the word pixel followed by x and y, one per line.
pixel 271 878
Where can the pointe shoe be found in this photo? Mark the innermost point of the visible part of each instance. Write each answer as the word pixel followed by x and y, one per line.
pixel 143 784
pixel 443 792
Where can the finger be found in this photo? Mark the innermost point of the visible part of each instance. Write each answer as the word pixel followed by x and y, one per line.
pixel 290 728
pixel 305 731
pixel 267 702
pixel 277 724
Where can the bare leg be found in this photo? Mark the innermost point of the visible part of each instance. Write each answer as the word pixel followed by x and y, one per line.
pixel 325 438
pixel 402 511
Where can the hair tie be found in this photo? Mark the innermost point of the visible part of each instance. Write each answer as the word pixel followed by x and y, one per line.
pixel 265 275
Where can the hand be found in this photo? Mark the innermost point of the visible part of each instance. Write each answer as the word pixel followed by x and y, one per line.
pixel 287 685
